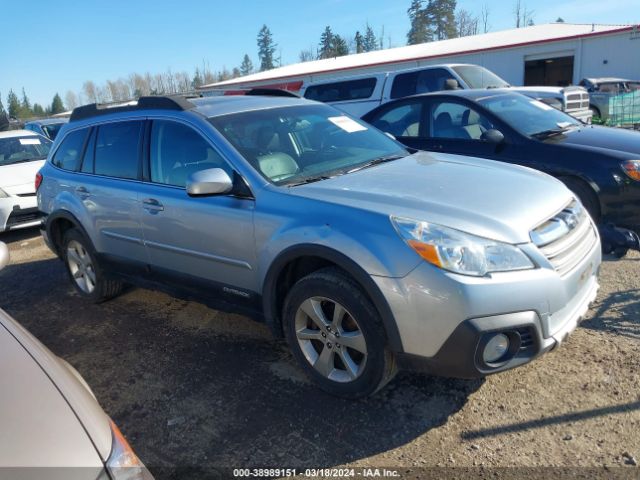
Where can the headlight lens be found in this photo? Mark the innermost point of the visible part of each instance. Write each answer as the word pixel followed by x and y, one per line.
pixel 123 463
pixel 3 194
pixel 460 252
pixel 632 169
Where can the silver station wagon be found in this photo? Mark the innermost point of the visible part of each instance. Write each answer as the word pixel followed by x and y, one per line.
pixel 365 256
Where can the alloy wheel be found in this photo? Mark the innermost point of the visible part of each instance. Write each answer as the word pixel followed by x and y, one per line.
pixel 81 267
pixel 331 339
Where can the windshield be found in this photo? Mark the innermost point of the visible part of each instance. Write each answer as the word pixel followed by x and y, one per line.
pixel 23 149
pixel 479 77
pixel 529 117
pixel 52 129
pixel 291 145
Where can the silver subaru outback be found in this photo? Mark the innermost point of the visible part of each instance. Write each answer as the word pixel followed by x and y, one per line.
pixel 366 257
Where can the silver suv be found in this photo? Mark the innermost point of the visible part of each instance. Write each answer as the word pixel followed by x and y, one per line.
pixel 365 257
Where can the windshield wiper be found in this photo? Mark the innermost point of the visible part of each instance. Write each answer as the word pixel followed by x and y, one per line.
pixel 307 180
pixel 550 132
pixel 376 161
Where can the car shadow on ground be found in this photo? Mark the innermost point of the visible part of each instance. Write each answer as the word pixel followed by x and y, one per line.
pixel 194 387
pixel 21 235
pixel 617 313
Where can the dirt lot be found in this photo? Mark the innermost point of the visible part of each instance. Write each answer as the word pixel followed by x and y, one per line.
pixel 191 386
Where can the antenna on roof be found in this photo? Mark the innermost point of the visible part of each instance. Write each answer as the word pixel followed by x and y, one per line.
pixel 593 27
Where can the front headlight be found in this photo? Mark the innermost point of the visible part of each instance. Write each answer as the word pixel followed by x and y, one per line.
pixel 3 194
pixel 632 169
pixel 123 463
pixel 460 252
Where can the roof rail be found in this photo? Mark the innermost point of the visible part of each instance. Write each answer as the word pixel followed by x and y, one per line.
pixel 174 102
pixel 271 92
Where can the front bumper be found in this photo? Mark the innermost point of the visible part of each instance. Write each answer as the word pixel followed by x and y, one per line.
pixel 19 212
pixel 445 319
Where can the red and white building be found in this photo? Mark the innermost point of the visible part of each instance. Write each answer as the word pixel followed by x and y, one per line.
pixel 555 54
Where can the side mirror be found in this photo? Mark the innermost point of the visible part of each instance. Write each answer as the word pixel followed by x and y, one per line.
pixel 451 84
pixel 390 135
pixel 493 136
pixel 213 181
pixel 4 255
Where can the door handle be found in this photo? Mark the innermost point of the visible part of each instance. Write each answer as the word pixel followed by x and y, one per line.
pixel 152 205
pixel 82 191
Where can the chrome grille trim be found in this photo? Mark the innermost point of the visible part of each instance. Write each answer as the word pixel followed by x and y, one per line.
pixel 566 238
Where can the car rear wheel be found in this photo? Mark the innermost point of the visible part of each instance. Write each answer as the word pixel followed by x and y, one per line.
pixel 84 271
pixel 336 335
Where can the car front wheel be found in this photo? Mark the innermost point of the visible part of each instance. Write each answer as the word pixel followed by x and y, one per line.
pixel 336 335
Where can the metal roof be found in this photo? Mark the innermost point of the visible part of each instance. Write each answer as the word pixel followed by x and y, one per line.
pixel 543 33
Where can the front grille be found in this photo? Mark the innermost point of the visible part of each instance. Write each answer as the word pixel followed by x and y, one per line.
pixel 576 101
pixel 566 238
pixel 20 217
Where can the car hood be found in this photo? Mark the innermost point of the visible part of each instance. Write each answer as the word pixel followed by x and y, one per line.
pixel 39 426
pixel 604 138
pixel 20 178
pixel 486 198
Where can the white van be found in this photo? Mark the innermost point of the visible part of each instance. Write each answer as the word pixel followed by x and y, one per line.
pixel 359 94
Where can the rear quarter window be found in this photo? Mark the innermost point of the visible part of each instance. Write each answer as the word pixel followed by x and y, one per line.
pixel 69 153
pixel 341 91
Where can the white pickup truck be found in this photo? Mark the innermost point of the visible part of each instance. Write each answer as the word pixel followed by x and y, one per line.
pixel 359 94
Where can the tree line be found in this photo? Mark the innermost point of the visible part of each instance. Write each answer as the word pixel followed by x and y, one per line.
pixel 430 20
pixel 23 108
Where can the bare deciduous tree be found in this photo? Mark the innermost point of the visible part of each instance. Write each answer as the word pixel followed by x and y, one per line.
pixel 466 23
pixel 484 18
pixel 71 100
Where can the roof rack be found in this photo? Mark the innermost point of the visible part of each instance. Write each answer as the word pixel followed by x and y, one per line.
pixel 271 92
pixel 174 102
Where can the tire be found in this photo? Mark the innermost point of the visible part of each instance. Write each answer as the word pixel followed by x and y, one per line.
pixel 595 111
pixel 620 252
pixel 353 368
pixel 586 195
pixel 85 273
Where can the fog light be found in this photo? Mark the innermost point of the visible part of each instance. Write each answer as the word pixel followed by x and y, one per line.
pixel 495 348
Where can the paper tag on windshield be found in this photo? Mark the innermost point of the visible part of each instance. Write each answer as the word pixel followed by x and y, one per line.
pixel 29 141
pixel 540 105
pixel 347 124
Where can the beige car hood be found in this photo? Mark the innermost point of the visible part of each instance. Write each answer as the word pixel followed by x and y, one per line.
pixel 47 417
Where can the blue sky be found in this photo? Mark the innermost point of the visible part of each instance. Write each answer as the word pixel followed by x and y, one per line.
pixel 64 43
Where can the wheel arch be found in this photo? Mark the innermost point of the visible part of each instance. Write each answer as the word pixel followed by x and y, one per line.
pixel 57 224
pixel 295 262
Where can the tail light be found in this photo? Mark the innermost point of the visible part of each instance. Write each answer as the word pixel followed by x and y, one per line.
pixel 38 180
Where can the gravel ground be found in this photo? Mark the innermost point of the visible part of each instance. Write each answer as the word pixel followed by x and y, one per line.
pixel 194 387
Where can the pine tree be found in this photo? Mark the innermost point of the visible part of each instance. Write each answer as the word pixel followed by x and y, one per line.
pixel 359 41
pixel 246 67
pixel 56 105
pixel 419 16
pixel 559 20
pixel 25 106
pixel 266 48
pixel 326 47
pixel 340 47
pixel 2 110
pixel 442 15
pixel 38 111
pixel 13 104
pixel 370 42
pixel 197 79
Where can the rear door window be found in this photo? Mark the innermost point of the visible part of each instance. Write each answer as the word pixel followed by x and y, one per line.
pixel 69 153
pixel 341 91
pixel 421 81
pixel 457 121
pixel 402 120
pixel 117 149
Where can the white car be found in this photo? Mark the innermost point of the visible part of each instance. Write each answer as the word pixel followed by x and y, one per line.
pixel 22 154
